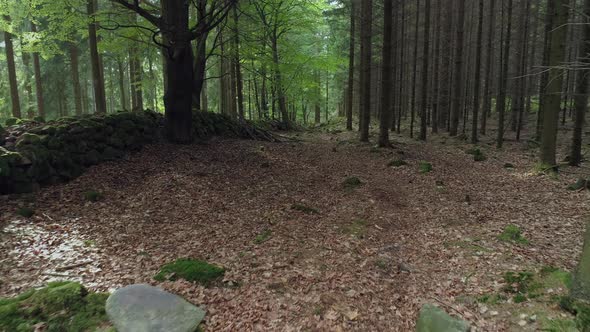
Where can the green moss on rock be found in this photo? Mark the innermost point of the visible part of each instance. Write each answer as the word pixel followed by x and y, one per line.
pixel 61 306
pixel 25 212
pixel 191 270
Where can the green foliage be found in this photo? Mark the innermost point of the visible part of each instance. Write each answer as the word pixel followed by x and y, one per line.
pixel 425 167
pixel 93 196
pixel 25 212
pixel 397 163
pixel 580 309
pixel 357 228
pixel 477 154
pixel 304 208
pixel 263 237
pixel 12 121
pixel 513 233
pixel 62 306
pixel 351 183
pixel 190 270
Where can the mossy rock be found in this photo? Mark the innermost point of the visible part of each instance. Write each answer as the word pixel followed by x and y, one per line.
pixel 8 160
pixel 39 119
pixel 579 185
pixel 190 270
pixel 61 306
pixel 28 139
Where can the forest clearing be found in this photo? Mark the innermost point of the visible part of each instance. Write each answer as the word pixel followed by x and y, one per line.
pixel 294 165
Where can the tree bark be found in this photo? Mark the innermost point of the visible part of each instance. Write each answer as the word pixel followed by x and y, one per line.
pixel 425 58
pixel 458 70
pixel 14 97
pixel 552 100
pixel 365 93
pixel 582 92
pixel 415 68
pixel 477 83
pixel 238 68
pixel 74 65
pixel 386 81
pixel 351 47
pixel 501 103
pixel 97 71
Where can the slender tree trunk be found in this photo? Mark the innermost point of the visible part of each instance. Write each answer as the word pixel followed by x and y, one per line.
pixel 28 87
pixel 365 95
pixel 445 97
pixel 14 97
pixel 582 91
pixel 523 71
pixel 425 58
pixel 458 70
pixel 437 68
pixel 38 79
pixel 415 68
pixel 74 64
pixel 552 100
pixel 501 103
pixel 477 83
pixel 487 93
pixel 200 60
pixel 97 71
pixel 136 73
pixel 386 81
pixel 402 67
pixel 238 69
pixel 545 75
pixel 350 87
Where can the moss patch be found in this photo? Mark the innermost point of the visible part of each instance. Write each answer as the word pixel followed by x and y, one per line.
pixel 61 306
pixel 397 163
pixel 304 208
pixel 191 270
pixel 357 228
pixel 477 154
pixel 351 183
pixel 93 196
pixel 25 212
pixel 263 237
pixel 513 233
pixel 425 167
pixel 579 185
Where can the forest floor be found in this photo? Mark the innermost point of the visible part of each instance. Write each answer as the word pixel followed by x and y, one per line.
pixel 365 259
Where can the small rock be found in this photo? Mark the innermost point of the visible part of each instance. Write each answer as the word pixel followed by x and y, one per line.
pixel 432 318
pixel 493 313
pixel 522 323
pixel 523 316
pixel 150 309
pixel 533 318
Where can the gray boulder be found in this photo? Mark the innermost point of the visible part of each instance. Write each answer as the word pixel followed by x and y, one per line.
pixel 434 319
pixel 143 308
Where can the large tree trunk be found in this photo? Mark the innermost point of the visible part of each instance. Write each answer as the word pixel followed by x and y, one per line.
pixel 97 71
pixel 425 58
pixel 581 96
pixel 545 63
pixel 179 71
pixel 458 71
pixel 552 99
pixel 12 73
pixel 437 62
pixel 74 68
pixel 365 63
pixel 501 102
pixel 477 83
pixel 350 87
pixel 386 81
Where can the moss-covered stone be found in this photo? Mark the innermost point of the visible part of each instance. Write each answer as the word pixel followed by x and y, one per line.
pixel 25 212
pixel 191 270
pixel 11 121
pixel 61 306
pixel 93 196
pixel 351 182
